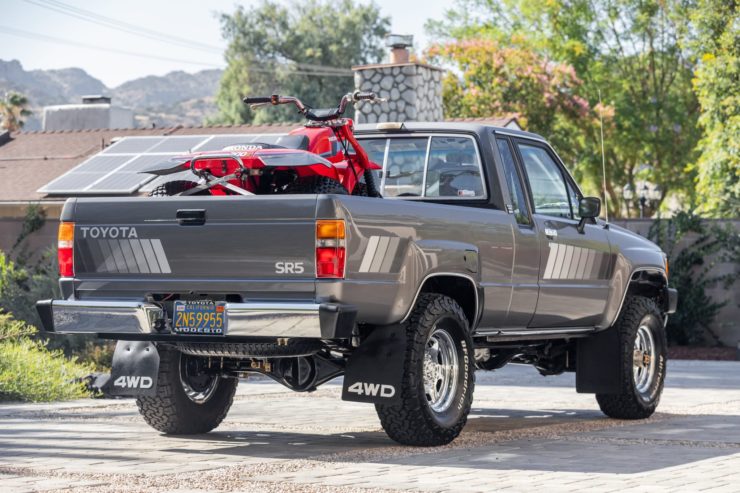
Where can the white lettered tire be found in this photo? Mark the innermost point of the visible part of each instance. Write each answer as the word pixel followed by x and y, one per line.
pixel 439 376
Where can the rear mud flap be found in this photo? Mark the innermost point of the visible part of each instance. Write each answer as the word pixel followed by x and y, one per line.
pixel 375 369
pixel 134 370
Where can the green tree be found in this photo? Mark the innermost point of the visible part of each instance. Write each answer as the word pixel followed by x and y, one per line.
pixel 13 109
pixel 495 78
pixel 716 45
pixel 627 49
pixel 303 49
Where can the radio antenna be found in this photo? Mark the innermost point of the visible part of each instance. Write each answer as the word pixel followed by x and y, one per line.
pixel 603 161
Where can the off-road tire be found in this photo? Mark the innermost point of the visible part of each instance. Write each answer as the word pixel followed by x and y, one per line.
pixel 316 184
pixel 361 190
pixel 412 421
pixel 173 188
pixel 630 403
pixel 172 412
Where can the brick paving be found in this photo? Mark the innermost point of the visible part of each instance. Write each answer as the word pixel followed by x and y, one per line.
pixel 525 432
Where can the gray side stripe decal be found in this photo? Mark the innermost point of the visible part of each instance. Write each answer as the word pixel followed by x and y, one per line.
pixel 572 262
pixel 128 256
pixel 380 253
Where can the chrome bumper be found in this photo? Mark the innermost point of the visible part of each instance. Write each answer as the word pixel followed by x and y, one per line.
pixel 310 320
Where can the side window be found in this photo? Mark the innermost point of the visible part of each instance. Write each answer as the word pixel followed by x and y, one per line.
pixel 375 149
pixel 404 171
pixel 513 182
pixel 454 169
pixel 574 199
pixel 546 181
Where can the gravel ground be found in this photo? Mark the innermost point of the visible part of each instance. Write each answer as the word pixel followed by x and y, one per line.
pixel 525 432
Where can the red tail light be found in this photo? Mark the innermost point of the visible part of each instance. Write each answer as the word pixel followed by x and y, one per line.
pixel 65 249
pixel 330 252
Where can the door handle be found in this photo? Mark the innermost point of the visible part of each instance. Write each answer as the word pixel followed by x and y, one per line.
pixel 551 233
pixel 191 217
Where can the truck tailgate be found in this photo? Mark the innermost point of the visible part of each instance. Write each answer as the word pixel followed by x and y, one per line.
pixel 178 243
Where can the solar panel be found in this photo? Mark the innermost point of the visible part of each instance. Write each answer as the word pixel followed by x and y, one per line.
pixel 179 144
pixel 101 164
pixel 144 162
pixel 117 183
pixel 133 145
pixel 117 169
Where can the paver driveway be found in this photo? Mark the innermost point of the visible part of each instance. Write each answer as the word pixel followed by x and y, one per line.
pixel 525 433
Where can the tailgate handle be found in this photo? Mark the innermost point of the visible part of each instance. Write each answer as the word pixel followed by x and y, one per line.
pixel 191 217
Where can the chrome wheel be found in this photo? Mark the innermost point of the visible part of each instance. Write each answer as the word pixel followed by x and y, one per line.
pixel 440 370
pixel 643 359
pixel 197 386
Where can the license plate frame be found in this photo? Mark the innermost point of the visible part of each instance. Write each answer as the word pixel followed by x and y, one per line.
pixel 199 317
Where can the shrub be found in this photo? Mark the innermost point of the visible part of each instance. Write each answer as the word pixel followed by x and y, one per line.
pixel 29 371
pixel 22 285
pixel 690 272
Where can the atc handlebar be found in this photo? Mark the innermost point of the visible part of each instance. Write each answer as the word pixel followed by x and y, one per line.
pixel 257 100
pixel 313 114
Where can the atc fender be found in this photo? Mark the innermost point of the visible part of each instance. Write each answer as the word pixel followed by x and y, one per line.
pixel 375 369
pixel 134 370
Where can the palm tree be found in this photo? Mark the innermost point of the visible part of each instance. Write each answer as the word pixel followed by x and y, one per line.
pixel 13 110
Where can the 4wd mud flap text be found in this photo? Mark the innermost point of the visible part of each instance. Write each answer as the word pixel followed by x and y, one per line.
pixel 375 369
pixel 134 370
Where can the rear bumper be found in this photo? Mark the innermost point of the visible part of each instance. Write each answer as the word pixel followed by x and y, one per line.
pixel 126 319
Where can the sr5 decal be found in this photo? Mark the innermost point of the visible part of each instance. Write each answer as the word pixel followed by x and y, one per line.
pixel 289 268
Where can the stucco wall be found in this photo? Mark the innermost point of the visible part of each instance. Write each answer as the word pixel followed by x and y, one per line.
pixel 727 324
pixel 86 117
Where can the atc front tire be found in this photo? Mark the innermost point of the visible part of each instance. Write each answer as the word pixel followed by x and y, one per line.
pixel 176 187
pixel 438 380
pixel 186 404
pixel 643 348
pixel 316 184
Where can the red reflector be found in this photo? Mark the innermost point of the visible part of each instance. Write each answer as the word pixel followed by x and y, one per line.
pixel 330 262
pixel 65 256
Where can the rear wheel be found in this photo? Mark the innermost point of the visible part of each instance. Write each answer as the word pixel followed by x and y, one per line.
pixel 316 184
pixel 174 188
pixel 188 401
pixel 643 349
pixel 438 380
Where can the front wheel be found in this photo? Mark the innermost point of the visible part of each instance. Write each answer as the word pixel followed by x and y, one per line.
pixel 188 401
pixel 438 380
pixel 643 350
pixel 316 184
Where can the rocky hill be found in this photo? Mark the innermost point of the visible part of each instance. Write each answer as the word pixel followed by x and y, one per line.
pixel 178 98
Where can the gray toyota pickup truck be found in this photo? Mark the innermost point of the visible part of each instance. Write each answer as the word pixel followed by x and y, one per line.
pixel 482 252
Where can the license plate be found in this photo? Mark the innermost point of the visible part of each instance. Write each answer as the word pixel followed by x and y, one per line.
pixel 199 317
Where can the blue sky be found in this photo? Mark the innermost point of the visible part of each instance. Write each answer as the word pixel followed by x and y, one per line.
pixel 191 19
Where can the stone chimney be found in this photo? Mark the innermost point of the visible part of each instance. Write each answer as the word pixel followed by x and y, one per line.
pixel 413 90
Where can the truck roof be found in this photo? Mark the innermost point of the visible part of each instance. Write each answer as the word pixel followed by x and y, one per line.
pixel 477 128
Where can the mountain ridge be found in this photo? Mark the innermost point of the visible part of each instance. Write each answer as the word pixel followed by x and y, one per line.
pixel 176 98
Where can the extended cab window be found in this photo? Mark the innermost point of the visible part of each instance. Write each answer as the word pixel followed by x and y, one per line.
pixel 546 181
pixel 513 182
pixel 442 167
pixel 404 169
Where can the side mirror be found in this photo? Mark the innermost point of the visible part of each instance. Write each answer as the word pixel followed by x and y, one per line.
pixel 588 208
